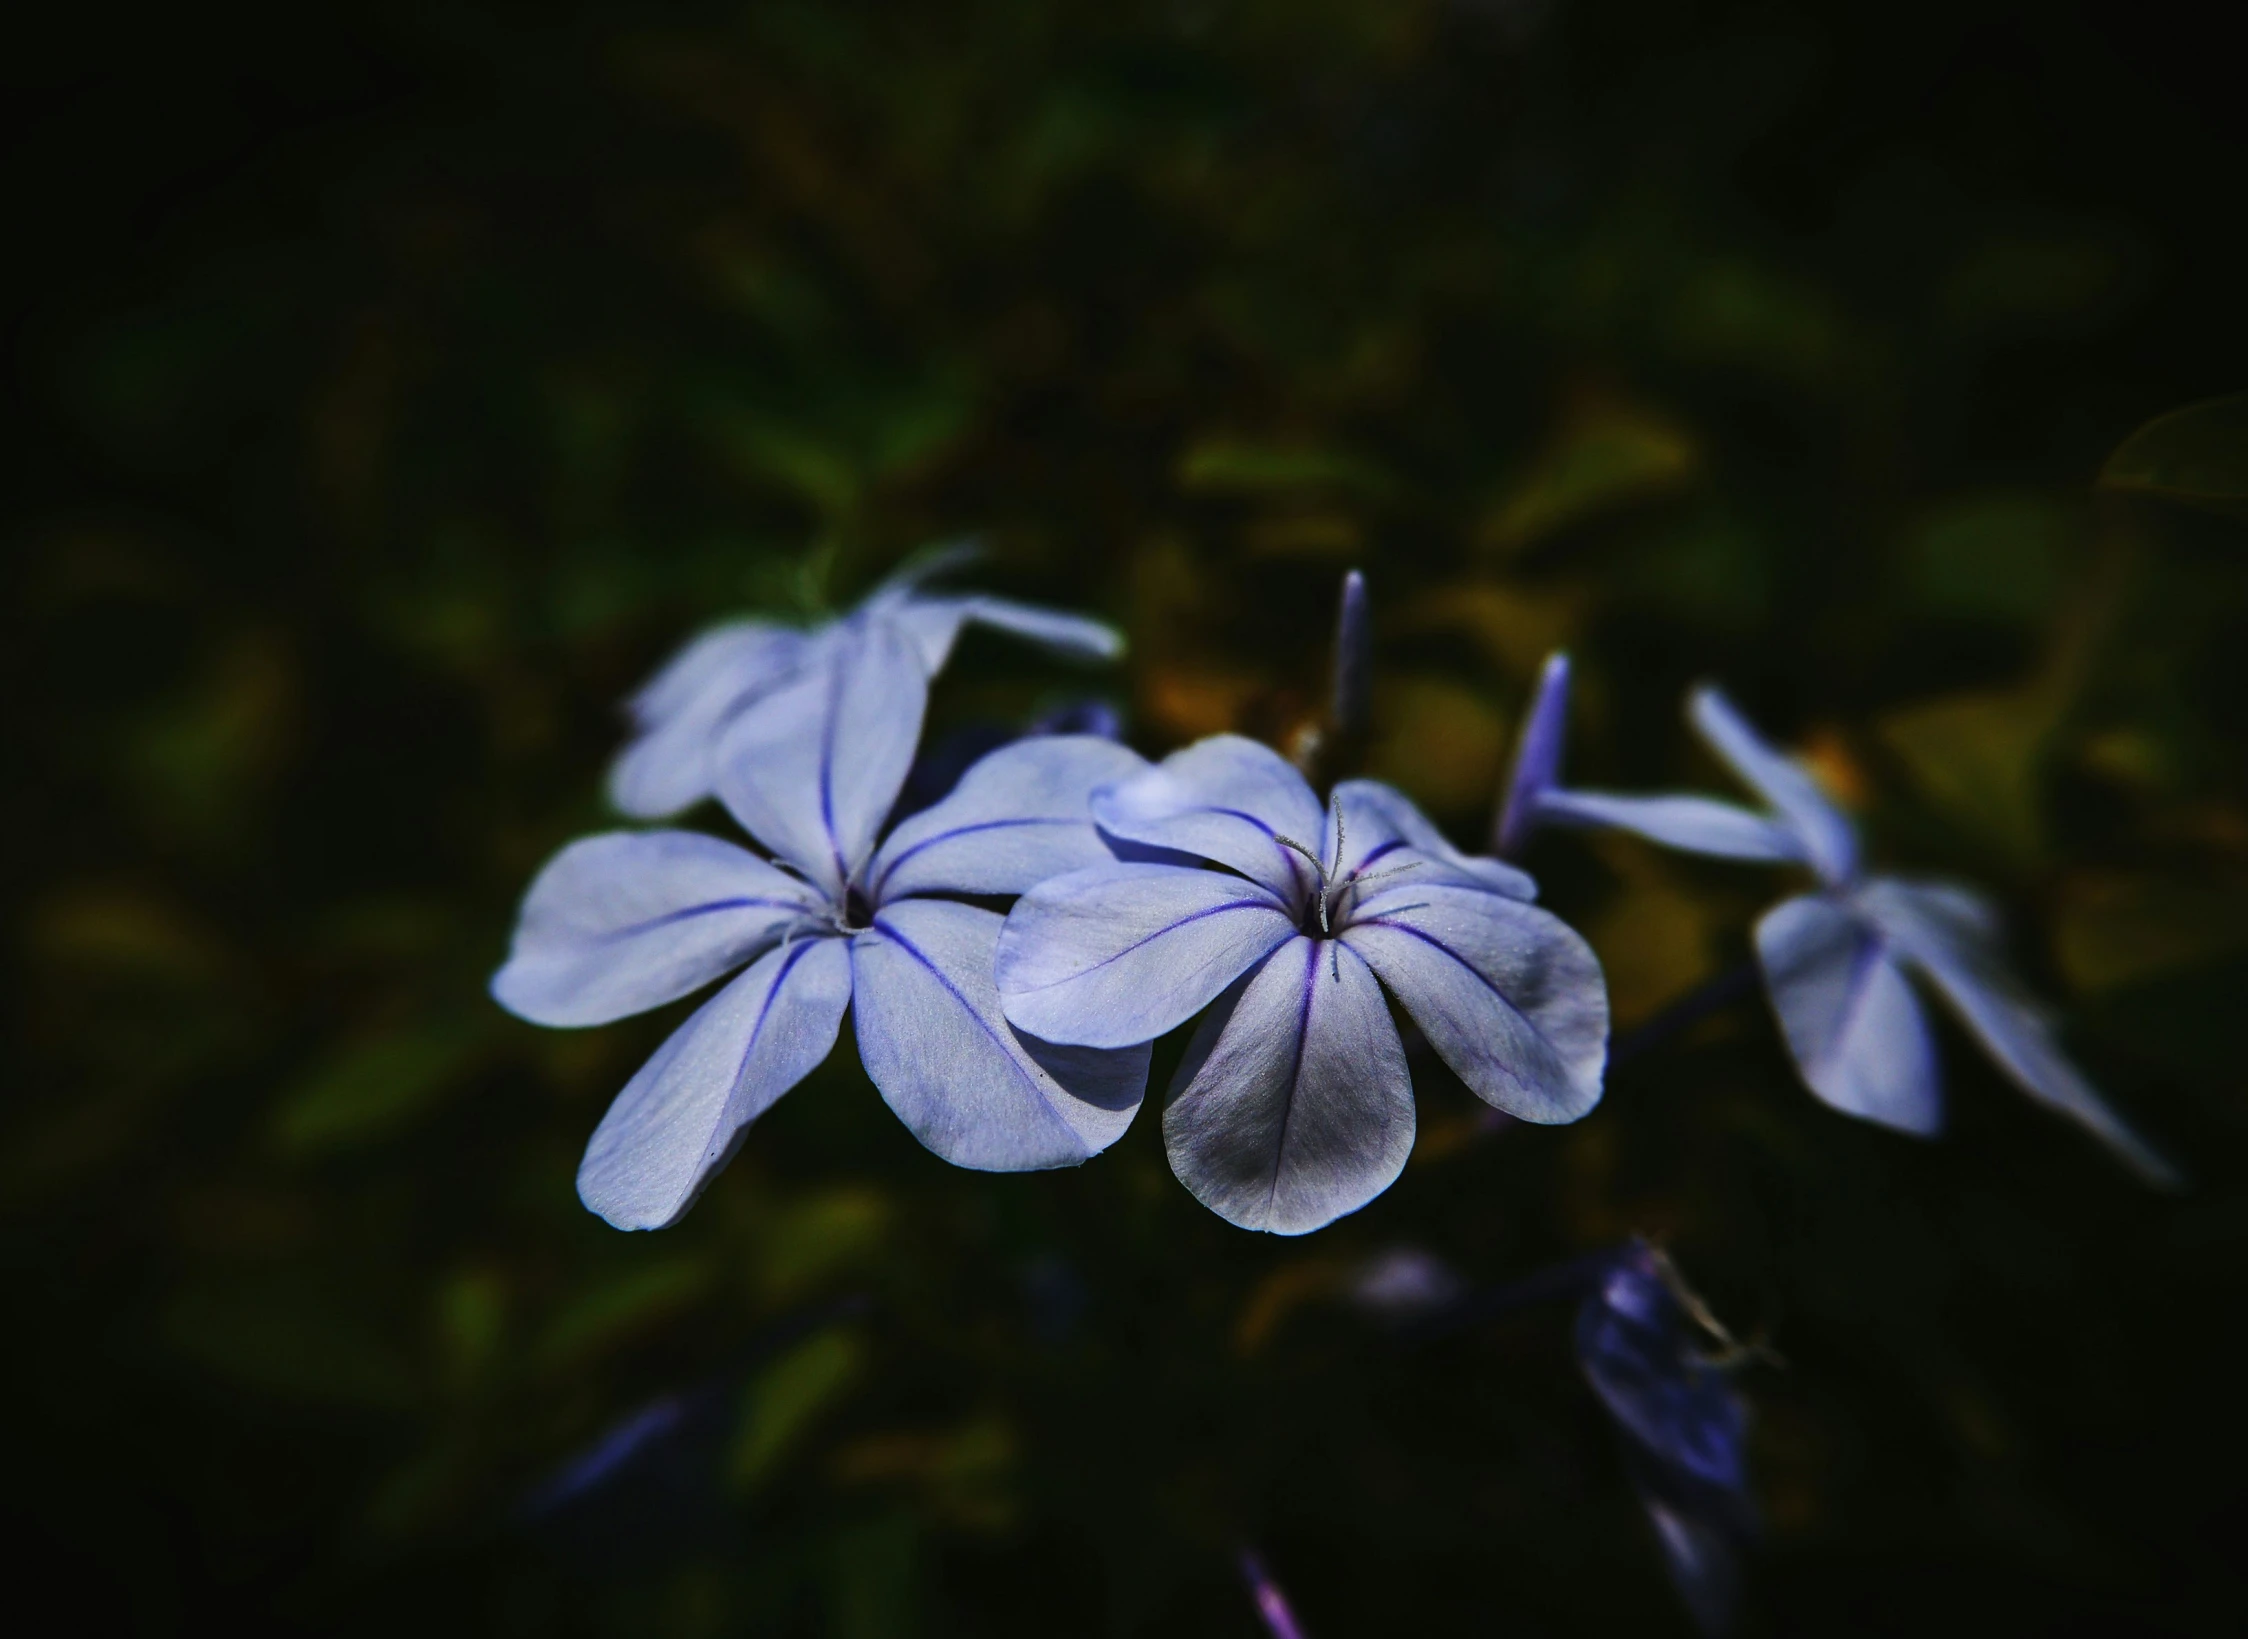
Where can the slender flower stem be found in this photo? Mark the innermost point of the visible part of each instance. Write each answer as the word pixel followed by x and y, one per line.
pixel 1710 997
pixel 1569 1280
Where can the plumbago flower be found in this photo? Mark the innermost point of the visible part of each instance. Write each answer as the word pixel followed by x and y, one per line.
pixel 624 922
pixel 686 708
pixel 1835 960
pixel 1643 1342
pixel 1293 1105
pixel 1683 1425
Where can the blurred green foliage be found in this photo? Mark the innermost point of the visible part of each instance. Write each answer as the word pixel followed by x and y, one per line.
pixel 390 390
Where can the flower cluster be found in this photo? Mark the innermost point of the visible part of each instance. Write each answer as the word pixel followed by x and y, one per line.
pixel 1021 1041
pixel 1013 920
pixel 1216 884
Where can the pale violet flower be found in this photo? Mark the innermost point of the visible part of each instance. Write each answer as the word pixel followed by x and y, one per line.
pixel 1835 960
pixel 682 713
pixel 1293 1105
pixel 620 923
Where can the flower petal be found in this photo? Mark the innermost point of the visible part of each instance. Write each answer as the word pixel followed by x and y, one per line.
pixel 1508 995
pixel 679 1120
pixel 1383 832
pixel 1293 1105
pixel 619 923
pixel 1951 936
pixel 933 624
pixel 681 710
pixel 1537 757
pixel 1694 825
pixel 1224 798
pixel 1830 841
pixel 933 1039
pixel 812 769
pixel 1855 1029
pixel 1117 954
pixel 1019 816
pixel 1056 630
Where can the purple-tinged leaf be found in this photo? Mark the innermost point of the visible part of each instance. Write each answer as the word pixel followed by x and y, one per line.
pixel 1701 1535
pixel 1638 1348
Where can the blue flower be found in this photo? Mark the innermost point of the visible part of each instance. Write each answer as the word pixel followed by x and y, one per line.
pixel 1273 1609
pixel 683 712
pixel 1639 1335
pixel 1835 960
pixel 1684 1427
pixel 620 923
pixel 1293 1105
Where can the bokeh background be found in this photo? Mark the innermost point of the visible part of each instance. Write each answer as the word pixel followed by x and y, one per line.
pixel 390 388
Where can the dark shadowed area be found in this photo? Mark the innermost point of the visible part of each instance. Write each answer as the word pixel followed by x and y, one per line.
pixel 390 389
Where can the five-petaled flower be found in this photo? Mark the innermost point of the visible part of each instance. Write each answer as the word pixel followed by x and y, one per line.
pixel 682 714
pixel 620 923
pixel 1835 960
pixel 1293 1104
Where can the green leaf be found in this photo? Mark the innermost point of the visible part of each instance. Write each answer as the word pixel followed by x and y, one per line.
pixel 2197 455
pixel 808 1241
pixel 872 1579
pixel 374 1089
pixel 1609 456
pixel 1979 758
pixel 2001 555
pixel 1240 467
pixel 787 1397
pixel 617 1310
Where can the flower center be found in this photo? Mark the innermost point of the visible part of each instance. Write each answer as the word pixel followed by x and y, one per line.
pixel 857 912
pixel 1325 911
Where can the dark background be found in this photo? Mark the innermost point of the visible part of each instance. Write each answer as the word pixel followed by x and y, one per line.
pixel 389 389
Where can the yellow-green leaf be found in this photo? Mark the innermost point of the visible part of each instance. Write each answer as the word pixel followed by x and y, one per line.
pixel 621 1308
pixel 1235 466
pixel 788 1397
pixel 1607 456
pixel 373 1088
pixel 2197 455
pixel 1978 759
